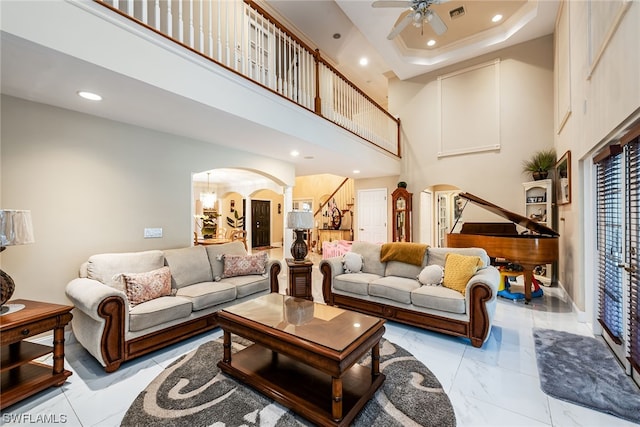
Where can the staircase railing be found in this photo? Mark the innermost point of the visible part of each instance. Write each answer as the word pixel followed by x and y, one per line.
pixel 342 198
pixel 244 38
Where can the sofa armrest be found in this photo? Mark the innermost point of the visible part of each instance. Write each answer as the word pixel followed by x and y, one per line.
pixel 88 294
pixel 273 268
pixel 490 276
pixel 101 317
pixel 330 268
pixel 481 294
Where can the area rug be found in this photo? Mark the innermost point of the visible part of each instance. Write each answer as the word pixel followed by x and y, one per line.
pixel 583 371
pixel 192 391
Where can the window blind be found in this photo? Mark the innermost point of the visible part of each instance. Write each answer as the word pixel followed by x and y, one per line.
pixel 610 244
pixel 632 182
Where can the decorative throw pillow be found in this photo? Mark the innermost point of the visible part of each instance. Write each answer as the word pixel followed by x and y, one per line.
pixel 431 275
pixel 141 287
pixel 352 262
pixel 458 269
pixel 242 265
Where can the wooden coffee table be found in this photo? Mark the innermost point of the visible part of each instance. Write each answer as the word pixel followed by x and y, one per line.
pixel 304 355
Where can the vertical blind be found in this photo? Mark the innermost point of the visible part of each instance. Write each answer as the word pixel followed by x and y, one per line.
pixel 632 182
pixel 609 241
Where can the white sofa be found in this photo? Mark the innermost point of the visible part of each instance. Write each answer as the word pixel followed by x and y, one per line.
pixel 114 331
pixel 391 290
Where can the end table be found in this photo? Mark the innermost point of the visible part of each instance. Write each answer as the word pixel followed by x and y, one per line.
pixel 300 279
pixel 21 375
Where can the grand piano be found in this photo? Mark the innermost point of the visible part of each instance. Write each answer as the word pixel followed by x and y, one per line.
pixel 538 245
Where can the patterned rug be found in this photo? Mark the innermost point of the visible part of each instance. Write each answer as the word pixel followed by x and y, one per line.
pixel 583 371
pixel 263 248
pixel 192 391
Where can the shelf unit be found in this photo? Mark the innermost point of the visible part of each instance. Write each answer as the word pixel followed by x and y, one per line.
pixel 538 206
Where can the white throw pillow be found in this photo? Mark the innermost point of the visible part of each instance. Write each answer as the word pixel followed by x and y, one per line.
pixel 431 275
pixel 352 262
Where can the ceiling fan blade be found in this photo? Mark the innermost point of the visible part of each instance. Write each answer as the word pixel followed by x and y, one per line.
pixel 436 22
pixel 401 26
pixel 391 3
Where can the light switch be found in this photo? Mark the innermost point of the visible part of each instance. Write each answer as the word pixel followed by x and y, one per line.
pixel 152 233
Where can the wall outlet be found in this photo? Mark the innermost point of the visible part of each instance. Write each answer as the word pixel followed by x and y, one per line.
pixel 152 233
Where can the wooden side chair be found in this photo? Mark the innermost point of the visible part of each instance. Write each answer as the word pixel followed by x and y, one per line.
pixel 239 235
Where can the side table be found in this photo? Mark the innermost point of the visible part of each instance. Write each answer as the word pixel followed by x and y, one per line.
pixel 21 376
pixel 299 279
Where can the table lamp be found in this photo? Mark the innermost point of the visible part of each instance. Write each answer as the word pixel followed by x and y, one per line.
pixel 15 229
pixel 299 221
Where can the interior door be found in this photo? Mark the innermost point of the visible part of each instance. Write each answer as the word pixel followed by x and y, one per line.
pixel 260 223
pixel 372 215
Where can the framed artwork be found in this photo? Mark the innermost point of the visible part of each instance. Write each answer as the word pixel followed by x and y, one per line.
pixel 563 179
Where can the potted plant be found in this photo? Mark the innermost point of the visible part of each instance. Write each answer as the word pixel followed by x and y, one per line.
pixel 540 163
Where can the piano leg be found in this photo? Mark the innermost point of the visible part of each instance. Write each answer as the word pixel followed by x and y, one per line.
pixel 528 281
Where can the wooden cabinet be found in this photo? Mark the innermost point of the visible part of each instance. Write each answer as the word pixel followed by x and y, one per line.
pixel 21 375
pixel 325 235
pixel 300 279
pixel 401 207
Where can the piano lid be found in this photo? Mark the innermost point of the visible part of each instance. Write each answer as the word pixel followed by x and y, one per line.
pixel 513 217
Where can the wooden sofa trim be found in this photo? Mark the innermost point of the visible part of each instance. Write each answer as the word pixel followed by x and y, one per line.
pixel 115 350
pixel 476 329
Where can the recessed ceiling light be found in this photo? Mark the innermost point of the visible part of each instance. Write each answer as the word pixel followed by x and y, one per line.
pixel 309 157
pixel 431 43
pixel 295 153
pixel 356 171
pixel 89 95
pixel 337 36
pixel 497 18
pixel 364 61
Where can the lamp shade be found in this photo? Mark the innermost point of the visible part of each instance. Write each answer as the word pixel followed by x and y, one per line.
pixel 15 227
pixel 300 220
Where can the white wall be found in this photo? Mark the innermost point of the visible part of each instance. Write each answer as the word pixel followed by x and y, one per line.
pixel 526 125
pixel 93 185
pixel 604 100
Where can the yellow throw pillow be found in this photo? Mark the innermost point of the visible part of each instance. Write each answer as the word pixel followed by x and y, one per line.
pixel 458 269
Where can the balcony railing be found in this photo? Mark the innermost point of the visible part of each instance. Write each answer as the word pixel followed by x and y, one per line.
pixel 245 39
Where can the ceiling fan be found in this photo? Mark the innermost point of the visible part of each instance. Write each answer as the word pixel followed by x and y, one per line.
pixel 419 13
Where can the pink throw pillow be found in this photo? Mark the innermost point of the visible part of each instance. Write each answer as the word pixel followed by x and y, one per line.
pixel 141 287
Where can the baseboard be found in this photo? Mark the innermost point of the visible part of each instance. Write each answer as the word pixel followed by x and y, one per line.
pixel 581 315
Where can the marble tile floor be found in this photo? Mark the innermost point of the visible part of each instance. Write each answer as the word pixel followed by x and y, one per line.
pixel 496 385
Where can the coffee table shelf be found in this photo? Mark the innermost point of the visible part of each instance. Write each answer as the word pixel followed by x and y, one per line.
pixel 297 385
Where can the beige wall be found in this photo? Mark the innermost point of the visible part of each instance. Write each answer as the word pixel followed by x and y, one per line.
pixel 93 185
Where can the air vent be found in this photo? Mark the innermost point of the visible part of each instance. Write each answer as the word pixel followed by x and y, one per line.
pixel 458 12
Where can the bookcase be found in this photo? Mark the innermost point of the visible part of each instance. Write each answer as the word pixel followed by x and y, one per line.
pixel 538 206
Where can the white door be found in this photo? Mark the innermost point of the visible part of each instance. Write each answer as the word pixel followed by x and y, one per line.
pixel 426 217
pixel 372 215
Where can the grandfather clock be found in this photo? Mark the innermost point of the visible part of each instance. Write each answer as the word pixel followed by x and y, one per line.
pixel 401 206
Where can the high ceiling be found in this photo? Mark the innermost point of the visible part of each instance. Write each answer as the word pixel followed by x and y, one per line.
pixel 363 32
